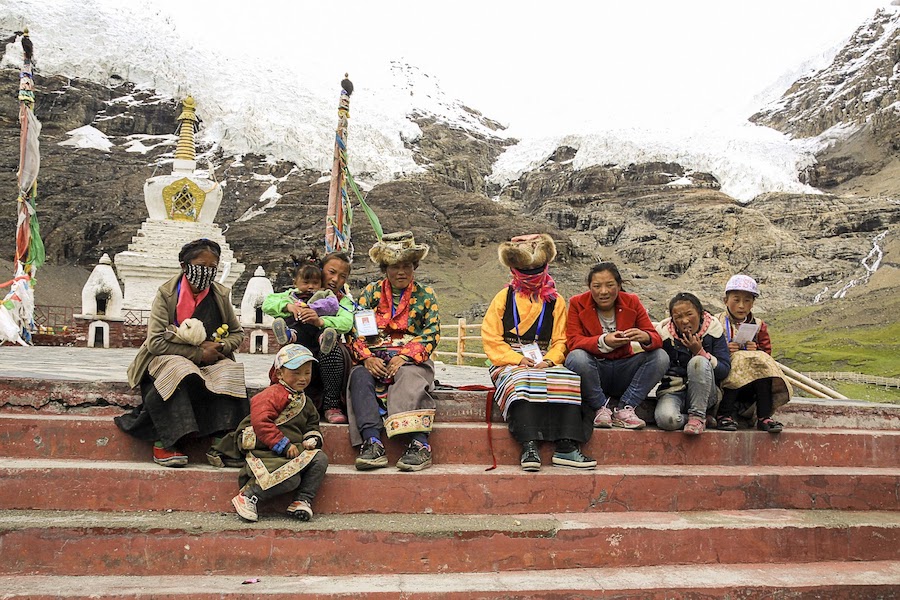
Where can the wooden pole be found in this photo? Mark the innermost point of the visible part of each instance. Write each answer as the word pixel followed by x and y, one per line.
pixel 461 344
pixel 811 383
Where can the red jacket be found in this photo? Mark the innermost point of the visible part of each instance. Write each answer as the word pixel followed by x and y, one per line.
pixel 583 328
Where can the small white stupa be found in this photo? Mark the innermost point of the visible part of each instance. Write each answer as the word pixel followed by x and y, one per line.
pixel 101 294
pixel 255 322
pixel 182 207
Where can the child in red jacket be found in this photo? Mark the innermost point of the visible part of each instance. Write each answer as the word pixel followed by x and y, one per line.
pixel 280 440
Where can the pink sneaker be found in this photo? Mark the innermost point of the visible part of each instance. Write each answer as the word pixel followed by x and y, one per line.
pixel 335 416
pixel 603 419
pixel 695 425
pixel 626 418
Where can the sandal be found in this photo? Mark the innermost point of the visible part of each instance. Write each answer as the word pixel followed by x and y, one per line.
pixel 695 425
pixel 726 424
pixel 769 425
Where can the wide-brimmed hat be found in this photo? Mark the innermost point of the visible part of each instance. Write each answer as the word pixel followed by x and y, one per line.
pixel 394 248
pixel 525 252
pixel 293 356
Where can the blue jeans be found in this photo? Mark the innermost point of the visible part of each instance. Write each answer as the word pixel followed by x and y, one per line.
pixel 697 398
pixel 630 379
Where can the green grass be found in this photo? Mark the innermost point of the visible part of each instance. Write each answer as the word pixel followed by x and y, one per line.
pixel 831 347
pixel 867 392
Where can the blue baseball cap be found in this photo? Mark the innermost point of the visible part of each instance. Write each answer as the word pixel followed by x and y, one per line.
pixel 293 356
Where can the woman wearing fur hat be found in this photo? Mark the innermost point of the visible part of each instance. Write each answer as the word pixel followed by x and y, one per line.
pixel 396 329
pixel 524 336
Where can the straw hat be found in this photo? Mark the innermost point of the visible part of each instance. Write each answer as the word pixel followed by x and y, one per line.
pixel 394 248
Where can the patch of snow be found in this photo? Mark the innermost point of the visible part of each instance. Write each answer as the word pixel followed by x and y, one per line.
pixel 870 263
pixel 747 160
pixel 88 137
pixel 270 197
pixel 681 181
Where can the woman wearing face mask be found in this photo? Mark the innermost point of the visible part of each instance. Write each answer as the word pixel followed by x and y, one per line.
pixel 190 384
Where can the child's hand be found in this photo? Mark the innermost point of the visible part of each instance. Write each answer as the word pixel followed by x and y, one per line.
pixel 616 339
pixel 751 346
pixel 693 342
pixel 293 309
pixel 310 444
pixel 733 347
pixel 292 451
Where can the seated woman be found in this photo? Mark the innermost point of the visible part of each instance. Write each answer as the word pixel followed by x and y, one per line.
pixel 329 378
pixel 614 347
pixel 524 336
pixel 698 362
pixel 190 383
pixel 397 327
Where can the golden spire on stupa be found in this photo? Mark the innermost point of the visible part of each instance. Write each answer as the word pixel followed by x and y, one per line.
pixel 190 123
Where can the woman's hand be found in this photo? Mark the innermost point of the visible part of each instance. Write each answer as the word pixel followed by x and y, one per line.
pixel 526 362
pixel 212 352
pixel 310 443
pixel 292 451
pixel 616 339
pixel 637 335
pixel 294 309
pixel 693 342
pixel 394 365
pixel 307 315
pixel 376 367
pixel 542 365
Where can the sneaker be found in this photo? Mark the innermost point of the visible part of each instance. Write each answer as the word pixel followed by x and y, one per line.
pixel 625 417
pixel 328 340
pixel 416 457
pixel 603 419
pixel 695 425
pixel 219 460
pixel 531 458
pixel 371 455
pixel 300 509
pixel 282 331
pixel 335 416
pixel 769 425
pixel 169 457
pixel 574 459
pixel 246 507
pixel 726 424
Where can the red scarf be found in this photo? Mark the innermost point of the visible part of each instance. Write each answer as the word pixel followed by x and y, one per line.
pixel 187 301
pixel 538 286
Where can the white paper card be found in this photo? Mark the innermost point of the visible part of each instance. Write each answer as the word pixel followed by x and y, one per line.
pixel 365 322
pixel 745 333
pixel 532 351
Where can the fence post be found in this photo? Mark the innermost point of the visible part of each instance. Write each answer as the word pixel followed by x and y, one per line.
pixel 461 344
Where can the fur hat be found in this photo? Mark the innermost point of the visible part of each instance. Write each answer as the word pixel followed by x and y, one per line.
pixel 396 248
pixel 527 251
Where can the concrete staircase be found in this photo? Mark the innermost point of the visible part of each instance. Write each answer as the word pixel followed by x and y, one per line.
pixel 810 513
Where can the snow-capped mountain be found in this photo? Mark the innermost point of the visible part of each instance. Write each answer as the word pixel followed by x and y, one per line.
pixel 862 80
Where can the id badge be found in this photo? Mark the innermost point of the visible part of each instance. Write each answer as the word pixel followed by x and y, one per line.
pixel 532 351
pixel 365 322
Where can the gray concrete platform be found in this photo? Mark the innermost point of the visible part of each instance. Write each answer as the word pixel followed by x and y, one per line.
pixel 111 365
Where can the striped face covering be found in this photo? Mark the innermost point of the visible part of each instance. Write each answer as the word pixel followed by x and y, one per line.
pixel 535 285
pixel 199 276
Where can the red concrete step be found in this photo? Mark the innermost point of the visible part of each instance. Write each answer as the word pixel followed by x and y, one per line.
pixel 79 543
pixel 104 397
pixel 827 580
pixel 457 489
pixel 97 438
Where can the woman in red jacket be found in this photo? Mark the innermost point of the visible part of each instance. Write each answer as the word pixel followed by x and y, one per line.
pixel 614 347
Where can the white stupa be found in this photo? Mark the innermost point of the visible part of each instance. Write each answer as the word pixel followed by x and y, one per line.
pixel 258 288
pixel 182 207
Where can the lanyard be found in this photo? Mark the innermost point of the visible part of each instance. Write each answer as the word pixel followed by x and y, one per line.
pixel 537 332
pixel 399 302
pixel 727 328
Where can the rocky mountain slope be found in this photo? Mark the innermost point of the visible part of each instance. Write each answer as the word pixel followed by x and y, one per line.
pixel 670 228
pixel 852 109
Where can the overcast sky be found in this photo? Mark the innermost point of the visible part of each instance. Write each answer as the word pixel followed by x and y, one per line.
pixel 542 66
